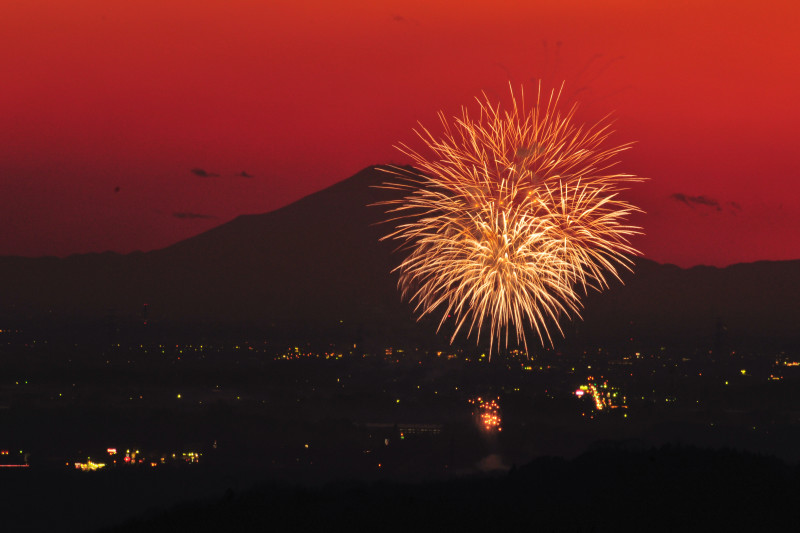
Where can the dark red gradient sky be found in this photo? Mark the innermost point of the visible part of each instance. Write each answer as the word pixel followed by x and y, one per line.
pixel 97 95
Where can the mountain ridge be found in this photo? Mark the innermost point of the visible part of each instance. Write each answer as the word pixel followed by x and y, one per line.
pixel 319 262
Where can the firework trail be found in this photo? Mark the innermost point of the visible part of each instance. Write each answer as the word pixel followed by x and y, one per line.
pixel 512 218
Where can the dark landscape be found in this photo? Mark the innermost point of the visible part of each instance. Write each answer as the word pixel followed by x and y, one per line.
pixel 316 268
pixel 268 372
pixel 212 320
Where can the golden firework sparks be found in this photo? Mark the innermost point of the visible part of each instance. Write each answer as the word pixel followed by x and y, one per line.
pixel 514 215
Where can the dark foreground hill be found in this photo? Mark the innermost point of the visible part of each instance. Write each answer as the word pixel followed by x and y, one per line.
pixel 317 267
pixel 669 489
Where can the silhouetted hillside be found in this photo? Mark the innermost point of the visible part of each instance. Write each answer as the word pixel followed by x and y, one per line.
pixel 669 489
pixel 317 265
pixel 708 307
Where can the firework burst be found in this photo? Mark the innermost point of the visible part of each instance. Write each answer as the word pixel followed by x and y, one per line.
pixel 514 216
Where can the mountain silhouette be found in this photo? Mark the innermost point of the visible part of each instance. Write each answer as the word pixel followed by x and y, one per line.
pixel 317 265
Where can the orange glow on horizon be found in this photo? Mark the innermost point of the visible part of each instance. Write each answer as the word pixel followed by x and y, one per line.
pixel 300 95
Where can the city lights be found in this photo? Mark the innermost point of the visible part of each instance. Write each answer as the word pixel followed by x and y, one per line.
pixel 488 414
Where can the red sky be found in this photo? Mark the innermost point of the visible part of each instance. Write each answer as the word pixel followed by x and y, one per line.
pixel 100 94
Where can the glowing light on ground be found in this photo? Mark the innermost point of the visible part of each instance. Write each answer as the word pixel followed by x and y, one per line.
pixel 488 414
pixel 602 395
pixel 89 466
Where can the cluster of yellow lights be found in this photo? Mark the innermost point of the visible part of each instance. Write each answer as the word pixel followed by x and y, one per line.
pixel 591 389
pixel 297 354
pixel 132 458
pixel 514 215
pixel 191 457
pixel 603 399
pixel 89 466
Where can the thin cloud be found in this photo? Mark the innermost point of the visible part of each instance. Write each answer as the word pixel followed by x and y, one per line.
pixel 693 201
pixel 192 216
pixel 203 174
pixel 404 20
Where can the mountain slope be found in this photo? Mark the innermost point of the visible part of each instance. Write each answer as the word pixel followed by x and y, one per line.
pixel 318 263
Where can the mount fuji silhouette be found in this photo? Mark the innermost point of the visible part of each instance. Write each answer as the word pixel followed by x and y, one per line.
pixel 317 265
